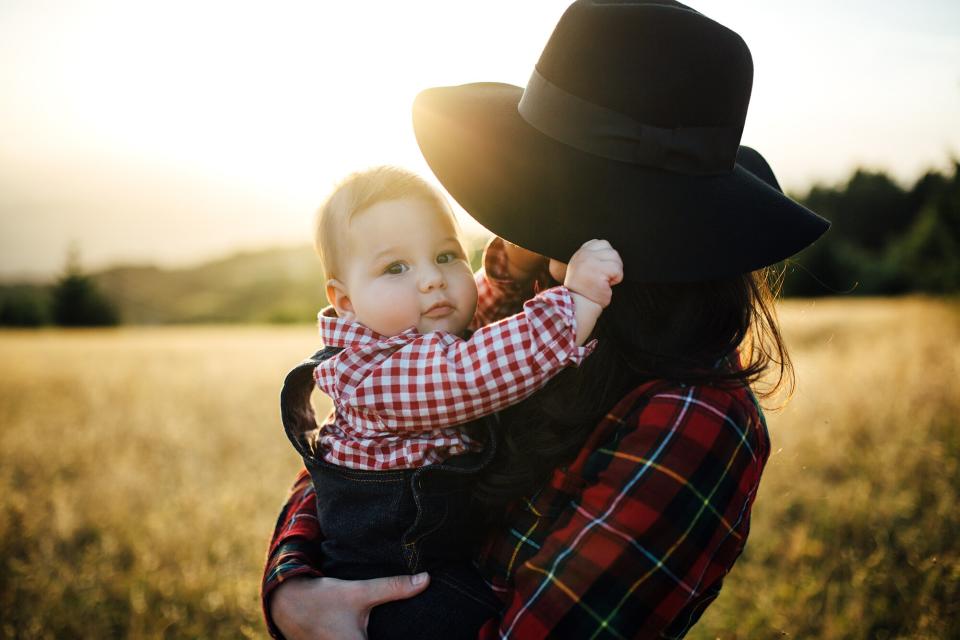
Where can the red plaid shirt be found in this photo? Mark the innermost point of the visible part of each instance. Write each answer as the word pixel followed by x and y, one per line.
pixel 397 399
pixel 633 540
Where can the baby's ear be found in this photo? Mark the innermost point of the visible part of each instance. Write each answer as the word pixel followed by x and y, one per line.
pixel 337 295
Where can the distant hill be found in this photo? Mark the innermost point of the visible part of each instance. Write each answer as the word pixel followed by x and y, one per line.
pixel 269 286
pixel 274 285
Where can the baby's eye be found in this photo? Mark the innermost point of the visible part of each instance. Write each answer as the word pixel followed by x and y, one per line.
pixel 447 256
pixel 396 268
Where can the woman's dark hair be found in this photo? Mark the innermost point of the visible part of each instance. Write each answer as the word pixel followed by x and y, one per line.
pixel 678 332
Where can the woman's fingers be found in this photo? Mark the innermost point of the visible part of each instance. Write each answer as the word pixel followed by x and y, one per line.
pixel 316 609
pixel 328 608
pixel 370 593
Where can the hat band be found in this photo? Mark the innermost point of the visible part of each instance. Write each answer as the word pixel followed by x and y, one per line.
pixel 606 133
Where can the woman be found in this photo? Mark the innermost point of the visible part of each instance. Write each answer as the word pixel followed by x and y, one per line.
pixel 624 487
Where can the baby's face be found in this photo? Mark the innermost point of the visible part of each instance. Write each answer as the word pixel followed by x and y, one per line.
pixel 405 267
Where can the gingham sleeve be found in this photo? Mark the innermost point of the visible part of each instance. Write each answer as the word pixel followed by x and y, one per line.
pixel 645 547
pixel 295 545
pixel 439 380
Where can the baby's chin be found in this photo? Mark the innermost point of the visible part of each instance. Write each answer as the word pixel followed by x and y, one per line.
pixel 456 326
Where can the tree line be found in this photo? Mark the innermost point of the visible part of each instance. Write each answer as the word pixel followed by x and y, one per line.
pixel 884 240
pixel 74 300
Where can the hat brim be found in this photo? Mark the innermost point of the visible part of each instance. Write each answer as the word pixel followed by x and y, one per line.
pixel 551 198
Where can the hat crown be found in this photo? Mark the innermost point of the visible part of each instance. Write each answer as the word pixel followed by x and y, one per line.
pixel 629 130
pixel 660 63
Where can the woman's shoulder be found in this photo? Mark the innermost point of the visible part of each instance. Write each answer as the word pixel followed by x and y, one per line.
pixel 661 419
pixel 665 403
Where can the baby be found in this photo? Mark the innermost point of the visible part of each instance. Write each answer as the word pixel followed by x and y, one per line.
pixel 393 464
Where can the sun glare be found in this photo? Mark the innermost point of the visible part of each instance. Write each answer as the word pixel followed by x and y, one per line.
pixel 115 113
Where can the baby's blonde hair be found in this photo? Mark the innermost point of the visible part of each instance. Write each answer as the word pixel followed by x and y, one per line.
pixel 359 191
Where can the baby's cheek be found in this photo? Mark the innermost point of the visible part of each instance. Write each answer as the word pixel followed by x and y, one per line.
pixel 391 310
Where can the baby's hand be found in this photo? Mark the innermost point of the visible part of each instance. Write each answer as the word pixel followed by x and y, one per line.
pixel 593 270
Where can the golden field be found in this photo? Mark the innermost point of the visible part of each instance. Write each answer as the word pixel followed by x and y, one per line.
pixel 141 470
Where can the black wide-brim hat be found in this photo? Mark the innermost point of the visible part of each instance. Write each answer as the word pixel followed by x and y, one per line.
pixel 629 131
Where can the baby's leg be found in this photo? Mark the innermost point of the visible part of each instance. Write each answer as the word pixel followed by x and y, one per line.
pixel 442 541
pixel 455 606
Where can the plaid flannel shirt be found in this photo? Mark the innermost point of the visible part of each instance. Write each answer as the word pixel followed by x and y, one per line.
pixel 397 399
pixel 632 540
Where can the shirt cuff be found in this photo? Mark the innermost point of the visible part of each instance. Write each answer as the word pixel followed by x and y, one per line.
pixel 561 299
pixel 275 577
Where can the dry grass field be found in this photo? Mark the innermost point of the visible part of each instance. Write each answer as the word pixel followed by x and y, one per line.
pixel 141 470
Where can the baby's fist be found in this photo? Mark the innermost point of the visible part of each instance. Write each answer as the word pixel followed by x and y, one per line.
pixel 593 270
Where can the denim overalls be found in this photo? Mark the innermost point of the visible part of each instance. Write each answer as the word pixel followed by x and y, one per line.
pixel 383 523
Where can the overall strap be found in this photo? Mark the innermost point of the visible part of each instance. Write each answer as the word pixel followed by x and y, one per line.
pixel 296 413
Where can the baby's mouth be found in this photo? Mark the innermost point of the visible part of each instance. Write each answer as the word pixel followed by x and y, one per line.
pixel 439 310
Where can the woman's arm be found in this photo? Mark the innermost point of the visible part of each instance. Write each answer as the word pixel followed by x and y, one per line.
pixel 298 603
pixel 663 516
pixel 294 550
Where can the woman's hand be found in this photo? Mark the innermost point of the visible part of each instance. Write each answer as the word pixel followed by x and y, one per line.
pixel 327 608
pixel 522 263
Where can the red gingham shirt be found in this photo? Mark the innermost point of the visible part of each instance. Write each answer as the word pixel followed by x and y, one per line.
pixel 397 399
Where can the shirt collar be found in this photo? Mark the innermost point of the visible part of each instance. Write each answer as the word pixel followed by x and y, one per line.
pixel 337 332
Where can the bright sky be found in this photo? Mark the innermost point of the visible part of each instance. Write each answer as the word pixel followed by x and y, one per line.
pixel 176 131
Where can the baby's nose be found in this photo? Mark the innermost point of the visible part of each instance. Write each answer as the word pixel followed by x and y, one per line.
pixel 431 278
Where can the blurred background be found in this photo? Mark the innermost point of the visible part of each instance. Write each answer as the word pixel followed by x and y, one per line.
pixel 160 164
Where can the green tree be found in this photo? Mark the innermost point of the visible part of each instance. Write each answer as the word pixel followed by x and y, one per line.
pixel 76 301
pixel 884 240
pixel 876 210
pixel 927 258
pixel 23 306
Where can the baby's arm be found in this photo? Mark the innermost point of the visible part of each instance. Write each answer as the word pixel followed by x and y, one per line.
pixel 439 381
pixel 591 272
